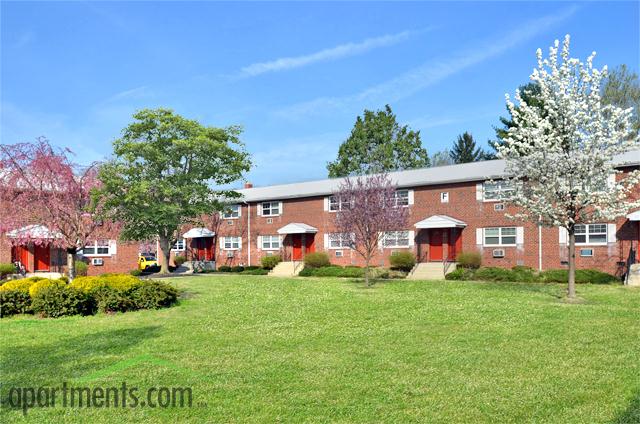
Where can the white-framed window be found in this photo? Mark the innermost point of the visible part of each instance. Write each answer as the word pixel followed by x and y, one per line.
pixel 178 246
pixel 591 234
pixel 97 248
pixel 444 197
pixel 336 203
pixel 497 190
pixel 340 240
pixel 230 243
pixel 270 242
pixel 500 236
pixel 396 239
pixel 231 212
pixel 270 208
pixel 401 198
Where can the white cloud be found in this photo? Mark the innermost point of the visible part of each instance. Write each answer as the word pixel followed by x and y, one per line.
pixel 333 53
pixel 430 72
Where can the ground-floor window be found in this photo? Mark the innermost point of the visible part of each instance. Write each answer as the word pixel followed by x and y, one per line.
pixel 591 234
pixel 396 239
pixel 270 242
pixel 500 236
pixel 230 243
pixel 340 240
pixel 97 248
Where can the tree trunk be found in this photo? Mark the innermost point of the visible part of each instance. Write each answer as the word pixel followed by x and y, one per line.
pixel 366 273
pixel 71 264
pixel 571 290
pixel 165 246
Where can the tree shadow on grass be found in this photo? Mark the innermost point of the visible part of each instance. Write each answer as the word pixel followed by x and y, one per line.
pixel 52 363
pixel 631 415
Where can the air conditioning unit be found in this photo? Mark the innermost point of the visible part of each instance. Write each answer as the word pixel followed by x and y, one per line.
pixel 229 253
pixel 269 220
pixel 97 261
pixel 498 207
pixel 339 253
pixel 230 222
pixel 498 253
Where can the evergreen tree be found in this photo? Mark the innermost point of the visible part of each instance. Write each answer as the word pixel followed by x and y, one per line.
pixel 465 150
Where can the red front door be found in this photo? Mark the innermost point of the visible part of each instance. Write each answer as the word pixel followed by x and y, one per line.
pixel 296 240
pixel 435 245
pixel 42 257
pixel 309 245
pixel 21 254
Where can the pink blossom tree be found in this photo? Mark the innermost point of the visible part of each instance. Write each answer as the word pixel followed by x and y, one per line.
pixel 366 209
pixel 46 199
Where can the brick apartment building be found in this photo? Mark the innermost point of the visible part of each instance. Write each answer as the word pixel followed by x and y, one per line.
pixel 451 209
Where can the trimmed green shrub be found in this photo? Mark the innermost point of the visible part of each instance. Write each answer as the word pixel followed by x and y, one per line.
pixel 179 260
pixel 258 271
pixel 7 269
pixel 81 269
pixel 460 274
pixel 116 281
pixel 135 272
pixel 57 301
pixel 403 261
pixel 39 285
pixel 316 260
pixel 110 300
pixel 525 274
pixel 583 276
pixel 270 262
pixel 469 260
pixel 237 268
pixel 14 302
pixel 224 268
pixel 492 273
pixel 153 295
pixel 251 267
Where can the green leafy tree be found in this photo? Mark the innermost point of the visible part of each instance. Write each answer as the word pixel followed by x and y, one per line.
pixel 622 89
pixel 465 150
pixel 378 144
pixel 165 172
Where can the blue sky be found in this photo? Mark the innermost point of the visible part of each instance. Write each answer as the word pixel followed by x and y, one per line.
pixel 294 75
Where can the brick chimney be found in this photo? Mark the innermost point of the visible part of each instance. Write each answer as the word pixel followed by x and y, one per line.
pixel 248 185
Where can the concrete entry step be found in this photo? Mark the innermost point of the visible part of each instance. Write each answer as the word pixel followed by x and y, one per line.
pixel 287 269
pixel 429 271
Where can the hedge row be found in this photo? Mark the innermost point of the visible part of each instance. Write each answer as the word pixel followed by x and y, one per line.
pixel 84 296
pixel 349 272
pixel 245 270
pixel 528 275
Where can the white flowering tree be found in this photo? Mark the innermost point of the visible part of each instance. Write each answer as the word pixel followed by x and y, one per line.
pixel 559 158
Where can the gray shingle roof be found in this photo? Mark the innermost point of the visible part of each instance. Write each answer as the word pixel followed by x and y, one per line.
pixel 476 171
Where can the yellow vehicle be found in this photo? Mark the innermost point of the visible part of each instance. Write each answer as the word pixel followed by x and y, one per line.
pixel 147 263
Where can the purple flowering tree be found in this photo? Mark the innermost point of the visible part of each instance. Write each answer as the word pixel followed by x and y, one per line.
pixel 366 208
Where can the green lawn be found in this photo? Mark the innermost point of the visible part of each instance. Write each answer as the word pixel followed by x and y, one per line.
pixel 260 349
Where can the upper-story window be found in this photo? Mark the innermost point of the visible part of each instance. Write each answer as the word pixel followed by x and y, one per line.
pixel 401 198
pixel 396 239
pixel 97 248
pixel 231 212
pixel 591 234
pixel 270 208
pixel 179 245
pixel 337 203
pixel 500 236
pixel 497 190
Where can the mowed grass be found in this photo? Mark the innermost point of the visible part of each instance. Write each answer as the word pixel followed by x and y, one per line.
pixel 261 349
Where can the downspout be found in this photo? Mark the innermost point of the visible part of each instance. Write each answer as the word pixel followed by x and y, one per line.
pixel 248 232
pixel 540 244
